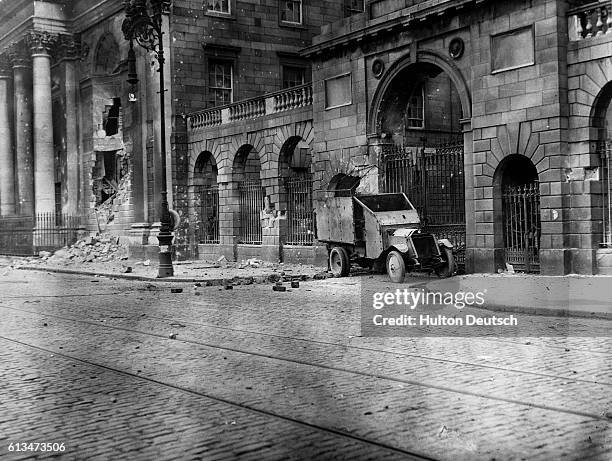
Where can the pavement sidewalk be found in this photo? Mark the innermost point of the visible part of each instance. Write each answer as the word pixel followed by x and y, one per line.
pixel 570 295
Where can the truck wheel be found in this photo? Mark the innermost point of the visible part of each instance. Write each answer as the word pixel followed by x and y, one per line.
pixel 396 267
pixel 339 262
pixel 447 269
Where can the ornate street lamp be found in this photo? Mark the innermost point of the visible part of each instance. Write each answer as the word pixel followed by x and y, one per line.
pixel 143 24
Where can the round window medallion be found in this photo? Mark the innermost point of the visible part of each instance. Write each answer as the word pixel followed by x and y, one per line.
pixel 378 67
pixel 456 48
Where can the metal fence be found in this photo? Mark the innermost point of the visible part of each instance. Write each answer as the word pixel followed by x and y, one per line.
pixel 522 227
pixel 300 210
pixel 432 177
pixel 251 204
pixel 27 235
pixel 207 214
pixel 605 152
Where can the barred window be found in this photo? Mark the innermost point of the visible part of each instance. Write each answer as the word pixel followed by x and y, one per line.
pixel 293 76
pixel 219 6
pixel 220 77
pixel 291 11
pixel 415 111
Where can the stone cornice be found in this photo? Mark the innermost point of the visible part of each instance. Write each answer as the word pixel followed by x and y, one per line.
pixel 350 31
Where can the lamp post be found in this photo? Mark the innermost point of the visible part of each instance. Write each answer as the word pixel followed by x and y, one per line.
pixel 143 24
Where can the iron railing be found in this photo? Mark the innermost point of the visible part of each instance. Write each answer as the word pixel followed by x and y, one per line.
pixel 206 199
pixel 432 177
pixel 251 204
pixel 605 153
pixel 300 211
pixel 522 226
pixel 27 235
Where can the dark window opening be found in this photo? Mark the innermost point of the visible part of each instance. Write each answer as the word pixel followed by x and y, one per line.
pixel 111 118
pixel 108 173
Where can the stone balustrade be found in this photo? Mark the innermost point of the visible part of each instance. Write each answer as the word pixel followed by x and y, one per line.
pixel 591 20
pixel 272 103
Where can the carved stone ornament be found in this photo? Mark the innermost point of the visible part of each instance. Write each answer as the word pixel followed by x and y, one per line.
pixel 40 42
pixel 5 66
pixel 456 48
pixel 378 67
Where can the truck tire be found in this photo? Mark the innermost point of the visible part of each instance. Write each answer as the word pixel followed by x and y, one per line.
pixel 339 262
pixel 396 267
pixel 449 267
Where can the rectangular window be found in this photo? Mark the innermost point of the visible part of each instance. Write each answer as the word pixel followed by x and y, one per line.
pixel 291 11
pixel 293 76
pixel 352 7
pixel 415 111
pixel 338 91
pixel 220 78
pixel 219 6
pixel 511 50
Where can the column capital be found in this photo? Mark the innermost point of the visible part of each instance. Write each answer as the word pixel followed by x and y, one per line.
pixel 5 66
pixel 68 47
pixel 40 41
pixel 19 55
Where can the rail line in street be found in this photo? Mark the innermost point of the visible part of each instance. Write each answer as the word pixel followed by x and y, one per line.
pixel 380 376
pixel 405 454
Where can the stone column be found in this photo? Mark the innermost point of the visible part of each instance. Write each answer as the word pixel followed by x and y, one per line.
pixel 68 56
pixel 22 89
pixel 44 177
pixel 7 163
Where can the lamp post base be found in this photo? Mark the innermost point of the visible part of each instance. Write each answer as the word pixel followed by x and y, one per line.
pixel 165 255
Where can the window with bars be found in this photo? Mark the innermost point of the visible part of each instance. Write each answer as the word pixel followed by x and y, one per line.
pixel 219 6
pixel 293 76
pixel 415 111
pixel 220 79
pixel 291 11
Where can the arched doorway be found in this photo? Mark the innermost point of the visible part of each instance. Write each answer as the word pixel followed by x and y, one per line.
pixel 517 191
pixel 602 121
pixel 295 167
pixel 419 123
pixel 206 199
pixel 246 172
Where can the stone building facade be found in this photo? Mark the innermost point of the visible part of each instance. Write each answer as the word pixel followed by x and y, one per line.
pixel 528 99
pixel 491 116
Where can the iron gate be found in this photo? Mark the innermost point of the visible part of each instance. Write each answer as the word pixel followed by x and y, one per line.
pixel 522 227
pixel 300 211
pixel 432 177
pixel 207 214
pixel 251 203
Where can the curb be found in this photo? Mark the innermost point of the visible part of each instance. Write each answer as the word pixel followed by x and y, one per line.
pixel 236 280
pixel 547 311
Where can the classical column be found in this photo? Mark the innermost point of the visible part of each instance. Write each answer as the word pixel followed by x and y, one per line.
pixel 22 89
pixel 68 55
pixel 44 172
pixel 7 163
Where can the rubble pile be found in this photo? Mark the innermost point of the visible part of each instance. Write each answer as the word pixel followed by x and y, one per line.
pixel 99 248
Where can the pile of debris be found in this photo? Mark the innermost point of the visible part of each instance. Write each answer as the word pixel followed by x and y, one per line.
pixel 99 248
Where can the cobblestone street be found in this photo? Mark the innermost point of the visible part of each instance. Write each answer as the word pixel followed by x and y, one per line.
pixel 117 369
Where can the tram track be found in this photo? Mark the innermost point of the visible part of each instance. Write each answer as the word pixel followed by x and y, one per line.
pixel 442 388
pixel 170 321
pixel 406 454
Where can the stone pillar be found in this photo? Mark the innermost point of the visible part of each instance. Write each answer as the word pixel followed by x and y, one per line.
pixel 68 56
pixel 7 163
pixel 22 89
pixel 44 177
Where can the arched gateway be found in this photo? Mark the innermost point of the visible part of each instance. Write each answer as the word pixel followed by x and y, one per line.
pixel 417 116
